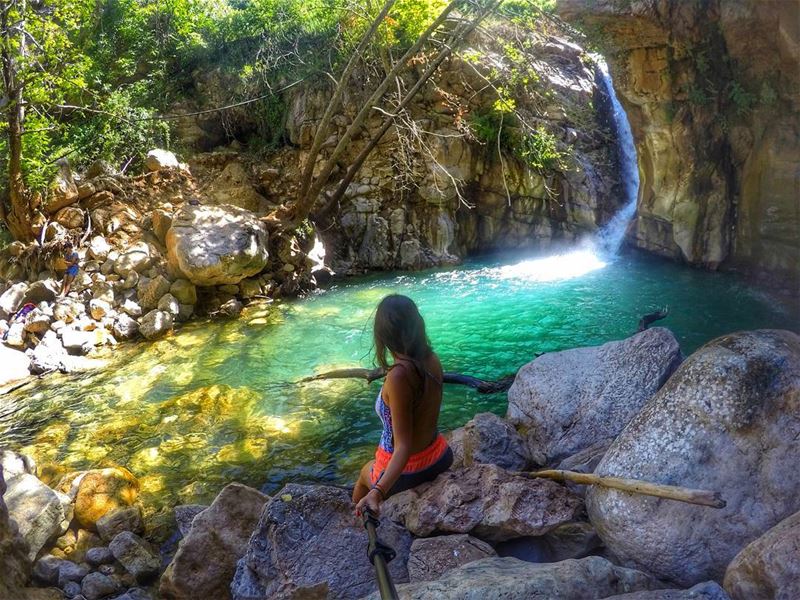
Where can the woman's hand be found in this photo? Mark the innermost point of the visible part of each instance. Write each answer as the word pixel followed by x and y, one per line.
pixel 372 501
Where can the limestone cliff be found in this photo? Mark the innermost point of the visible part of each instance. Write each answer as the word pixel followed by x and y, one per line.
pixel 448 180
pixel 712 90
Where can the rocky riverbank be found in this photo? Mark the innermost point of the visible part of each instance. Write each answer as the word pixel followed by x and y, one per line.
pixel 723 419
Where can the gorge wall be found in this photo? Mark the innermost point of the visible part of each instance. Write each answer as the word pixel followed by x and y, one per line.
pixel 447 181
pixel 712 91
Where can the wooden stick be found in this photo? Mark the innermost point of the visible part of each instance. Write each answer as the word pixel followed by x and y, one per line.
pixel 635 486
pixel 483 387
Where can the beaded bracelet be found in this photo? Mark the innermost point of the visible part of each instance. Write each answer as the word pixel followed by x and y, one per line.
pixel 380 490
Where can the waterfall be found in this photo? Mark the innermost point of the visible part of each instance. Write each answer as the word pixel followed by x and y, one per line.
pixel 611 235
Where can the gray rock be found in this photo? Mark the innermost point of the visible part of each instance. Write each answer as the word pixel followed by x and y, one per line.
pixel 71 589
pixel 37 321
pixel 124 327
pixel 205 562
pixel 158 159
pixel 491 440
pixel 768 567
pixel 49 355
pixel 16 365
pixel 14 463
pixel 68 572
pixel 215 245
pixel 133 553
pixel 41 291
pixel 430 558
pixel 512 579
pixel 567 401
pixel 308 541
pixel 570 540
pixel 103 290
pixel 14 563
pixel 96 586
pixel 135 594
pixel 99 556
pixel 486 501
pixel 99 309
pixel 99 248
pixel 11 299
pixel 38 511
pixel 131 308
pixel 185 514
pixel 46 569
pixel 77 341
pixel 150 291
pixel 138 258
pixel 128 518
pixel 155 324
pixel 726 421
pixel 16 335
pixel 170 304
pixel 702 591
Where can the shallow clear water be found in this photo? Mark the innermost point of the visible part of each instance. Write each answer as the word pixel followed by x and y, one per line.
pixel 219 401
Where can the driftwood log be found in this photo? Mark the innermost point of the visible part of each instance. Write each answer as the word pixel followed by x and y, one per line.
pixel 651 318
pixel 483 387
pixel 636 486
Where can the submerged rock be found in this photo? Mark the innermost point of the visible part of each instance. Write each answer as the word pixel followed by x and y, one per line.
pixel 768 567
pixel 486 501
pixel 185 514
pixel 216 245
pixel 206 559
pixel 708 428
pixel 564 402
pixel 512 579
pixel 430 558
pixel 100 491
pixel 118 520
pixel 308 543
pixel 41 513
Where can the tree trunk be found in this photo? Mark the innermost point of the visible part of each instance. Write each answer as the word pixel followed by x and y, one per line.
pixel 18 218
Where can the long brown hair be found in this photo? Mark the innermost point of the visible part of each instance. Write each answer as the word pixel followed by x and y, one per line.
pixel 399 328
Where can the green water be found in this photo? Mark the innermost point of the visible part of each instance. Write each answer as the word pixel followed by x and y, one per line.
pixel 218 401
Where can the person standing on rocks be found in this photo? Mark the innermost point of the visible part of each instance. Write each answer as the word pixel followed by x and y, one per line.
pixel 411 449
pixel 72 268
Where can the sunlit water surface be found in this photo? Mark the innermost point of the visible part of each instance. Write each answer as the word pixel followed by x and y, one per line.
pixel 219 402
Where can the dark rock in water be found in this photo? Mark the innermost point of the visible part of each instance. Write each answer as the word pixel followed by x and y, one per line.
pixel 768 567
pixel 513 579
pixel 571 540
pixel 136 556
pixel 96 586
pixel 99 556
pixel 72 589
pixel 128 518
pixel 702 591
pixel 206 559
pixel 68 572
pixel 726 421
pixel 430 558
pixel 185 514
pixel 567 401
pixel 309 543
pixel 486 501
pixel 231 309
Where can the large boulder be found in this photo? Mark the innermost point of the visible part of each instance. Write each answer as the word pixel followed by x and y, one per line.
pixel 708 590
pixel 309 543
pixel 11 299
pixel 149 291
pixel 768 567
pixel 15 363
pixel 206 559
pixel 726 421
pixel 512 579
pixel 100 491
pixel 42 514
pixel 486 501
pixel 15 565
pixel 431 558
pixel 491 440
pixel 137 258
pixel 41 291
pixel 155 324
pixel 216 245
pixel 49 355
pixel 158 159
pixel 563 402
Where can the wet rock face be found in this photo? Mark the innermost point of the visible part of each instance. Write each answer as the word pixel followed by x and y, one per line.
pixel 485 501
pixel 513 579
pixel 216 245
pixel 565 402
pixel 206 559
pixel 308 543
pixel 14 562
pixel 768 567
pixel 711 90
pixel 727 421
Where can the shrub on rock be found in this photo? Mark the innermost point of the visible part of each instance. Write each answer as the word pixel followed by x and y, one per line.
pixel 564 402
pixel 725 421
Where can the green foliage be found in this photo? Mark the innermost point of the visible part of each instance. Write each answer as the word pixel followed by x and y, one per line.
pixel 539 150
pixel 742 100
pixel 487 125
pixel 528 8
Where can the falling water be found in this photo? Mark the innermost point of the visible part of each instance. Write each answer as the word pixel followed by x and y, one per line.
pixel 611 235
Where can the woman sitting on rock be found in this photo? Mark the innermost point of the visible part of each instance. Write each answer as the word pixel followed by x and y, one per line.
pixel 411 449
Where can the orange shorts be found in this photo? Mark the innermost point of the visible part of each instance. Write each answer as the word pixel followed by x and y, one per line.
pixel 416 463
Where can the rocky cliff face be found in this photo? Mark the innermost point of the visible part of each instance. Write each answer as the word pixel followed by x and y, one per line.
pixel 712 90
pixel 447 181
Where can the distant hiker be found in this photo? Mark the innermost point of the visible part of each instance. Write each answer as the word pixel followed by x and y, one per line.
pixel 72 268
pixel 20 314
pixel 411 449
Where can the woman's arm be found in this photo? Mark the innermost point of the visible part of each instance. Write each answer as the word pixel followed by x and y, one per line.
pixel 397 392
